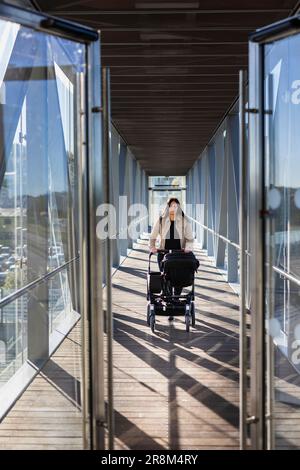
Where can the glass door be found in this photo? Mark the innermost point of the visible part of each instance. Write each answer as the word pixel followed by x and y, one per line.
pixel 49 85
pixel 279 77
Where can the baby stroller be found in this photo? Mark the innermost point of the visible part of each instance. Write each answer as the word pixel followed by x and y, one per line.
pixel 178 271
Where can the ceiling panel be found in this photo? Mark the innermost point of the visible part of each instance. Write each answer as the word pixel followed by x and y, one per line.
pixel 174 68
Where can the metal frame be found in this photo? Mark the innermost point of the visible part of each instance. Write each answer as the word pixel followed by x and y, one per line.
pixel 256 170
pixel 262 347
pixel 167 11
pixel 89 192
pixel 84 271
pixel 92 248
pixel 48 24
pixel 107 198
pixel 278 30
pixel 243 265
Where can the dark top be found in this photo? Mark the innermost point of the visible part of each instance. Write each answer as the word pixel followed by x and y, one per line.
pixel 172 243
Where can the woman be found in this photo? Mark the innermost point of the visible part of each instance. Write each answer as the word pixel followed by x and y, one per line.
pixel 173 229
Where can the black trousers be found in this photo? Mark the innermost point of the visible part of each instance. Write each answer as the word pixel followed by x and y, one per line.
pixel 160 257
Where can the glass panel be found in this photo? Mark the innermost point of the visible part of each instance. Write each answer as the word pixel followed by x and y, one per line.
pixel 38 162
pixel 13 338
pixel 39 93
pixel 282 242
pixel 60 302
pixel 62 297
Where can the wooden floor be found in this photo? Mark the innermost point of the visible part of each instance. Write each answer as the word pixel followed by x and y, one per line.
pixel 286 404
pixel 48 416
pixel 172 389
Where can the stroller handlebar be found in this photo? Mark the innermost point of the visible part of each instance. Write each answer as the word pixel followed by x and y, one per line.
pixel 163 251
pixel 166 251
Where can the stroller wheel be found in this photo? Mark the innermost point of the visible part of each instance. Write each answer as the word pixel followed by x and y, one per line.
pixel 193 317
pixel 187 318
pixel 152 323
pixel 148 314
pixel 187 323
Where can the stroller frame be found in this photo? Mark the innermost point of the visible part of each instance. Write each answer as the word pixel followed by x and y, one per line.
pixel 167 301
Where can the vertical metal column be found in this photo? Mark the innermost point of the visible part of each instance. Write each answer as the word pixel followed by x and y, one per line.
pixel 109 316
pixel 270 285
pixel 37 219
pixel 256 185
pixel 243 266
pixel 84 267
pixel 94 254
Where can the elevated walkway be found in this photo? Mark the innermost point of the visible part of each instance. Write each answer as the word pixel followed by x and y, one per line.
pixel 48 416
pixel 172 390
pixel 175 390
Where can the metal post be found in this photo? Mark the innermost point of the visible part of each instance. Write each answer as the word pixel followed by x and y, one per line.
pixel 270 280
pixel 243 274
pixel 256 233
pixel 94 252
pixel 109 315
pixel 83 243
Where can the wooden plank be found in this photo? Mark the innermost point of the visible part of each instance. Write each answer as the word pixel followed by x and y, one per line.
pixel 173 389
pixel 47 415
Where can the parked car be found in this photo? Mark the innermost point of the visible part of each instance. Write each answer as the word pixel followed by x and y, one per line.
pixel 2 278
pixel 6 250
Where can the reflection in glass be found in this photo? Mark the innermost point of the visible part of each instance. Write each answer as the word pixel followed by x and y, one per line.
pixel 39 76
pixel 59 307
pixel 282 242
pixel 13 337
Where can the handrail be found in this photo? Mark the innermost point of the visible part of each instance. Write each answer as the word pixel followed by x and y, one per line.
pixel 286 275
pixel 15 295
pixel 235 245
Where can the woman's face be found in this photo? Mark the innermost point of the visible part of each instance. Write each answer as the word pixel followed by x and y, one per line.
pixel 173 208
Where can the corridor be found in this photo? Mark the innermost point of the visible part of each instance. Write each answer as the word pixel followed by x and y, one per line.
pixel 175 390
pixel 115 117
pixel 172 390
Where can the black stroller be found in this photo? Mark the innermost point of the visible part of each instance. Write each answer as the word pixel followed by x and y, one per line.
pixel 178 271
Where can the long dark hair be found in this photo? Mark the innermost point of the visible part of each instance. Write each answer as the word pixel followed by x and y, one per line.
pixel 173 199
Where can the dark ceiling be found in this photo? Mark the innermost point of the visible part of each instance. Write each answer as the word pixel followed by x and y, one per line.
pixel 174 68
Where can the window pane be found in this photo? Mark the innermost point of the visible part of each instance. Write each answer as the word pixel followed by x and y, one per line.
pixel 38 161
pixel 282 144
pixel 39 78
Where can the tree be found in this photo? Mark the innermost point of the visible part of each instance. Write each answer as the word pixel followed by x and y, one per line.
pixel 10 281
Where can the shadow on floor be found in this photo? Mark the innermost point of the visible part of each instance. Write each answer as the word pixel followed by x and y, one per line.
pixel 64 382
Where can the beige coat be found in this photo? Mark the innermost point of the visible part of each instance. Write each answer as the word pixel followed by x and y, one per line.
pixel 182 230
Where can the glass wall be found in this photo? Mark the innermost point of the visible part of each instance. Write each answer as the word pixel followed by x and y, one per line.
pixel 213 198
pixel 161 188
pixel 282 240
pixel 39 238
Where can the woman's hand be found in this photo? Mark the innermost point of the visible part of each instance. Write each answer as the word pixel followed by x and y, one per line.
pixel 187 251
pixel 153 249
